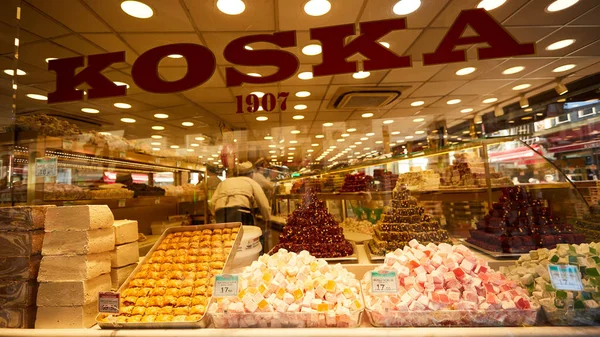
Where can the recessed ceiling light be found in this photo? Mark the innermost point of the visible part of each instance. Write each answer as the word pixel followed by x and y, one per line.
pixel 385 44
pixel 121 84
pixel 395 133
pixel 161 116
pixel 175 56
pixel 272 151
pixel 526 118
pixel 351 130
pixel 563 68
pixel 490 100
pixel 488 5
pixel 367 115
pixel 254 74
pixel 190 150
pixel 295 132
pixel 560 44
pixel 231 7
pixel 50 59
pixel 312 49
pixel 156 136
pixel 200 138
pixel 409 137
pixel 248 48
pixel 559 5
pixel 528 110
pixel 258 94
pixel 302 94
pixel 467 110
pixel 307 75
pixel 328 124
pixel 357 143
pixel 317 7
pixel 37 97
pixel 361 74
pixel 364 138
pixel 262 118
pixel 194 145
pixel 314 144
pixel 293 141
pixel 310 150
pixel 156 149
pixel 214 155
pixel 366 148
pixel 345 135
pixel 417 103
pixel 11 72
pixel 298 117
pixel 341 140
pixel 319 136
pixel 453 101
pixel 155 143
pixel 187 123
pixel 137 9
pixel 300 107
pixel 420 132
pixel 465 71
pixel 291 149
pixel 90 110
pixel 521 86
pixel 404 7
pixel 513 70
pixel 370 134
pixel 389 121
pixel 122 105
pixel 174 146
pixel 158 128
pixel 127 120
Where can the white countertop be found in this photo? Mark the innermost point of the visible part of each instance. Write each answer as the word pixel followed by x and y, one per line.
pixel 318 332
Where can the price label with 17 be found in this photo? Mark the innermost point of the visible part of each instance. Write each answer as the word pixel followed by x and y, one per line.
pixel 225 285
pixel 384 282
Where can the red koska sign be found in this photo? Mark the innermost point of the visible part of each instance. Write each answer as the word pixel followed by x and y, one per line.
pixel 336 52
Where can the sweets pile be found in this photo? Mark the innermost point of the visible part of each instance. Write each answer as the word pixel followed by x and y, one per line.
pixel 357 226
pixel 423 180
pixel 46 125
pixel 143 190
pixel 468 171
pixel 449 279
pixel 291 290
pixel 531 271
pixel 56 191
pixel 384 180
pixel 302 186
pixel 403 221
pixel 357 182
pixel 333 182
pixel 310 227
pixel 186 190
pixel 111 193
pixel 589 225
pixel 518 223
pixel 175 284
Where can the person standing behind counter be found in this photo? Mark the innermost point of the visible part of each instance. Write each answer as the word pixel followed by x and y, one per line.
pixel 235 197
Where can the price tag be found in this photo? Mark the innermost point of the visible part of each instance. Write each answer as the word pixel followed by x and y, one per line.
pixel 225 285
pixel 384 282
pixel 109 302
pixel 565 277
pixel 121 202
pixel 122 154
pixel 67 145
pixel 45 167
pixel 157 160
pixel 157 201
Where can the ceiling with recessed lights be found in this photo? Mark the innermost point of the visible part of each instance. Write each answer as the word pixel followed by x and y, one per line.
pixel 567 48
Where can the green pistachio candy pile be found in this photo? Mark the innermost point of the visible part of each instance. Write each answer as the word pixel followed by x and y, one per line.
pixel 532 272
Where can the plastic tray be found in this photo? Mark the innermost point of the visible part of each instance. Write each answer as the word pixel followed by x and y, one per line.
pixel 475 318
pixel 572 317
pixel 350 258
pixel 285 320
pixel 205 320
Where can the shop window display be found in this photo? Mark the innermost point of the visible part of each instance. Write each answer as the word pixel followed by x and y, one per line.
pixel 426 164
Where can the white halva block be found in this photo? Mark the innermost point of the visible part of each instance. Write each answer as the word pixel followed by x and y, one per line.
pixel 125 254
pixel 79 242
pixel 126 231
pixel 72 293
pixel 74 268
pixel 78 218
pixel 77 317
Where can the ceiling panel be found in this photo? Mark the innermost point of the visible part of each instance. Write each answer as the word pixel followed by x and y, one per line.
pixel 258 16
pixel 583 36
pixel 416 73
pixel 291 14
pixel 529 15
pixel 383 9
pixel 480 87
pixel 437 88
pixel 72 13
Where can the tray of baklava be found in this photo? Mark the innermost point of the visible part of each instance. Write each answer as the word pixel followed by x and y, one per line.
pixel 172 286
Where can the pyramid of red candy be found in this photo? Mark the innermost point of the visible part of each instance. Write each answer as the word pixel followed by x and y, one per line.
pixel 357 182
pixel 518 223
pixel 402 221
pixel 310 227
pixel 446 285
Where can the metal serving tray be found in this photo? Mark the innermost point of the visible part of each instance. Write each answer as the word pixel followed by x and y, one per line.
pixel 372 257
pixel 496 255
pixel 205 320
pixel 350 258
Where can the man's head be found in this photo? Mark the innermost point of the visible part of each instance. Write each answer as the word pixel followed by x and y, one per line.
pixel 245 169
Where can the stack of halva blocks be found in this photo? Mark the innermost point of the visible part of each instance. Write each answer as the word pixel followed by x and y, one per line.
pixel 125 256
pixel 75 266
pixel 21 236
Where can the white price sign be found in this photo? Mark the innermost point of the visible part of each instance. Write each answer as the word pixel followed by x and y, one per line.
pixel 46 167
pixel 384 282
pixel 225 285
pixel 121 203
pixel 109 302
pixel 565 277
